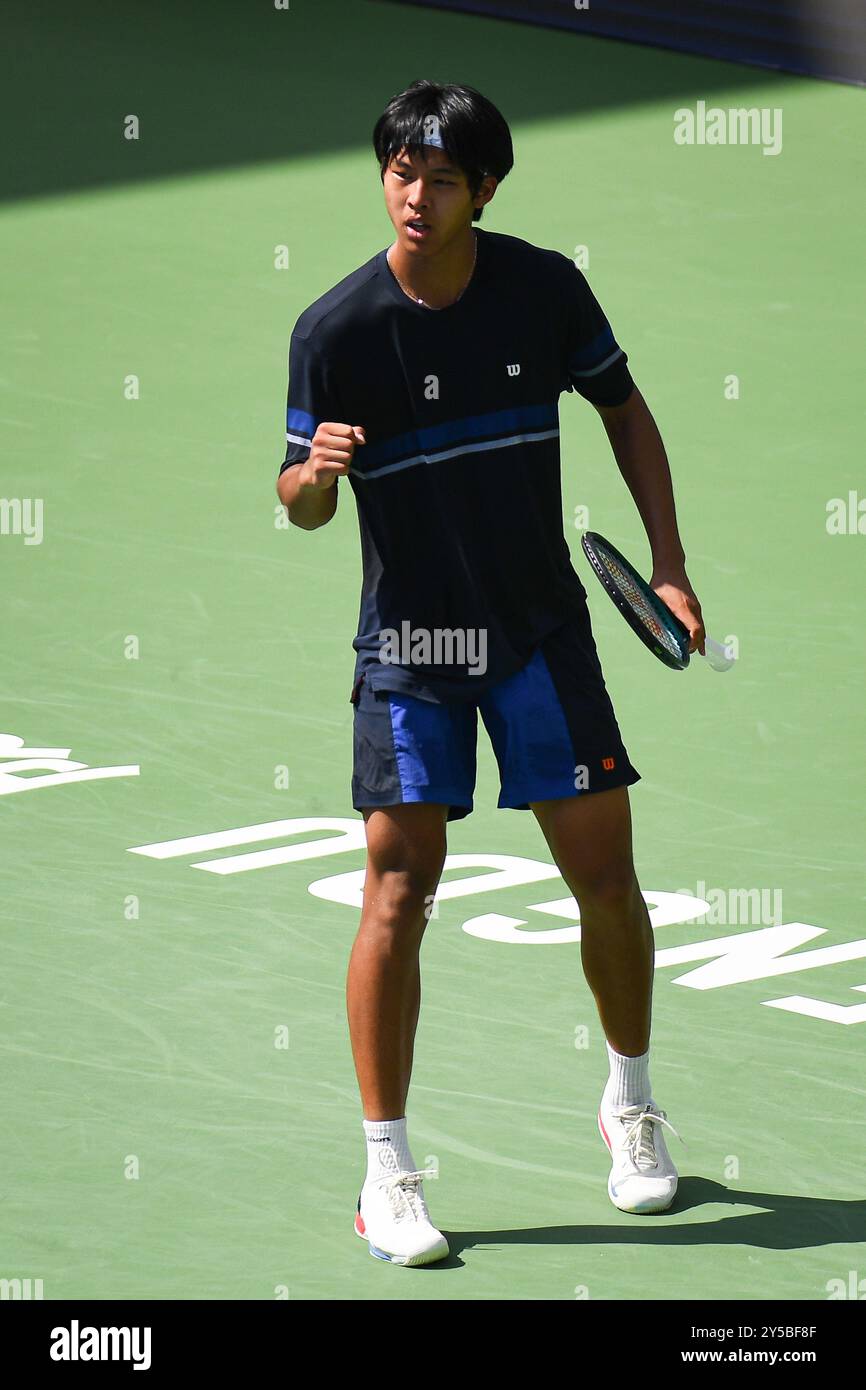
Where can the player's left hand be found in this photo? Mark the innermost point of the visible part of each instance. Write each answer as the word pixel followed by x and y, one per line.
pixel 673 588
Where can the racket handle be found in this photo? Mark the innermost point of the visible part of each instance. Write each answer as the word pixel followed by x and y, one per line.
pixel 717 655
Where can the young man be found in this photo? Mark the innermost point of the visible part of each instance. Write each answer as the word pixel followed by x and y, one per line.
pixel 451 349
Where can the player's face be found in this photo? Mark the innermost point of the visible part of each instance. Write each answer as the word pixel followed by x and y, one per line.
pixel 430 188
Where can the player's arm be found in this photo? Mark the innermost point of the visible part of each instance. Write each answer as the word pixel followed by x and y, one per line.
pixel 308 490
pixel 640 455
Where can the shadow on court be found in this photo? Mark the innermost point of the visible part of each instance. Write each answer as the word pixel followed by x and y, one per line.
pixel 218 83
pixel 787 1223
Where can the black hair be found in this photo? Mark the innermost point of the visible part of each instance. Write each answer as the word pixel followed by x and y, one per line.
pixel 474 133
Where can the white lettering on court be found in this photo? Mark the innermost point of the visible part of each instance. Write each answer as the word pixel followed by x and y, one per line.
pixel 730 960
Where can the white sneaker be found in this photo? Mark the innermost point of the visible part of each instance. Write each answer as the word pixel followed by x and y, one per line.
pixel 643 1177
pixel 392 1215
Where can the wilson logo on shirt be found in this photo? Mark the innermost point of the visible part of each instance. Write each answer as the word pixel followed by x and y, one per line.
pixel 607 764
pixel 514 369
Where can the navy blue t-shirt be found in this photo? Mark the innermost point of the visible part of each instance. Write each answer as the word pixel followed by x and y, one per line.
pixel 466 568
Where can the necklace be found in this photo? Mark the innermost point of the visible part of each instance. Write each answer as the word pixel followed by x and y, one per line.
pixel 436 306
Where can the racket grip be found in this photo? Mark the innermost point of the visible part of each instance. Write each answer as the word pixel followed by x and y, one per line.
pixel 717 655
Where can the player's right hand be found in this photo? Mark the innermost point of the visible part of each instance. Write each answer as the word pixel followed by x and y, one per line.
pixel 331 454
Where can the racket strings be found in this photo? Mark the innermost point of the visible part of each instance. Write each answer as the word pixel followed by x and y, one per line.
pixel 638 601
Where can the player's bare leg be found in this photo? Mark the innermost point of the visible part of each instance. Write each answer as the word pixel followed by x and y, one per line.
pixel 406 847
pixel 405 853
pixel 590 840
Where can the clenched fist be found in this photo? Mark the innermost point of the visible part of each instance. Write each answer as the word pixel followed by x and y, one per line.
pixel 331 454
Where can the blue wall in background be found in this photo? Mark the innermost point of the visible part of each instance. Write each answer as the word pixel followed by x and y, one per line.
pixel 822 38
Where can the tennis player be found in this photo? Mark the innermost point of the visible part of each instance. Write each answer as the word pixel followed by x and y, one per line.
pixel 429 378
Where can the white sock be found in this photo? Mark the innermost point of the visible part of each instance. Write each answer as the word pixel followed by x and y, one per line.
pixel 387 1148
pixel 628 1083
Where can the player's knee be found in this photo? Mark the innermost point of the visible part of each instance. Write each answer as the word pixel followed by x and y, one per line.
pixel 610 889
pixel 400 900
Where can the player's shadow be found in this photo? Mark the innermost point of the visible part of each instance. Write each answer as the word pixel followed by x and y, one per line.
pixel 785 1223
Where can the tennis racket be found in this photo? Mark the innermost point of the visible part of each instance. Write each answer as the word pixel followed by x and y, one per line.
pixel 646 614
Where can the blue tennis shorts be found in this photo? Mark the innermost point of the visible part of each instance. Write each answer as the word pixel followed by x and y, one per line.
pixel 552 727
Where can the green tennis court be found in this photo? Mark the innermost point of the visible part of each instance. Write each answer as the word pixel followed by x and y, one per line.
pixel 181 1116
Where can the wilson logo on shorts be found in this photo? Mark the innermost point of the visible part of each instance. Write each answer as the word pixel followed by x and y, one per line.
pixel 607 764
